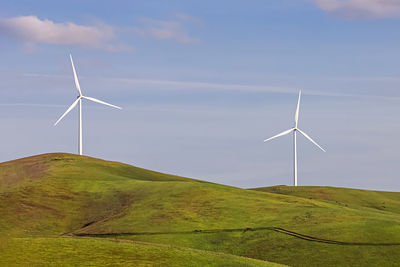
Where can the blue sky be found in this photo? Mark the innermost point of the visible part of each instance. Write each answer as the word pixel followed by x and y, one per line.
pixel 203 83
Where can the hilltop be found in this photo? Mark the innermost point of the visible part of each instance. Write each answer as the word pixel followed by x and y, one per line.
pixel 80 203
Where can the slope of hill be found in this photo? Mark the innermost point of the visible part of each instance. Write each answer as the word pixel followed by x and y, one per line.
pixel 96 252
pixel 377 200
pixel 52 195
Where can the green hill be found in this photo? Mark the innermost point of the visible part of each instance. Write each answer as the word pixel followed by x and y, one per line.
pixel 97 252
pixel 79 203
pixel 356 198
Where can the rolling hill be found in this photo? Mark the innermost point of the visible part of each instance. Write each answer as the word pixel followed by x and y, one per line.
pixel 107 212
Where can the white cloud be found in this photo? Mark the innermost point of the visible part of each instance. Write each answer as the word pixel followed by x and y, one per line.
pixel 166 30
pixel 31 30
pixel 356 9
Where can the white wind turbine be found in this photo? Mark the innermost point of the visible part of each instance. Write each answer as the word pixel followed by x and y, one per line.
pixel 79 100
pixel 295 129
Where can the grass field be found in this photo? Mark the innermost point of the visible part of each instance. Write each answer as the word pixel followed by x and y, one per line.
pixel 61 200
pixel 97 252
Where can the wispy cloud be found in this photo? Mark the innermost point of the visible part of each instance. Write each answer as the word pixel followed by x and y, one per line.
pixel 167 29
pixel 31 30
pixel 196 86
pixel 213 87
pixel 189 18
pixel 361 9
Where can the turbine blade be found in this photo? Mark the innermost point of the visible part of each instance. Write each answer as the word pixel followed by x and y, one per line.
pixel 282 133
pixel 78 87
pixel 101 102
pixel 68 110
pixel 309 138
pixel 296 117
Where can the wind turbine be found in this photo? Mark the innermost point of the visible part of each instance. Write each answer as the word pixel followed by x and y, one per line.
pixel 79 100
pixel 294 130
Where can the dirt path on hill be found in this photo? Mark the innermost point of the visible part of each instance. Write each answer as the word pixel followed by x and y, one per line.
pixel 315 239
pixel 114 214
pixel 276 229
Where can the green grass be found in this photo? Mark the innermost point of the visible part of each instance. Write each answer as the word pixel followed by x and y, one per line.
pixel 95 252
pixel 353 198
pixel 45 196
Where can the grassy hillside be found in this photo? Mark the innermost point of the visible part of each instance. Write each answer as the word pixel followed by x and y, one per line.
pixel 377 200
pixel 95 252
pixel 52 195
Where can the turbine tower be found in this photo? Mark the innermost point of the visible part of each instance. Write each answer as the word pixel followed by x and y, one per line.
pixel 79 100
pixel 295 129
